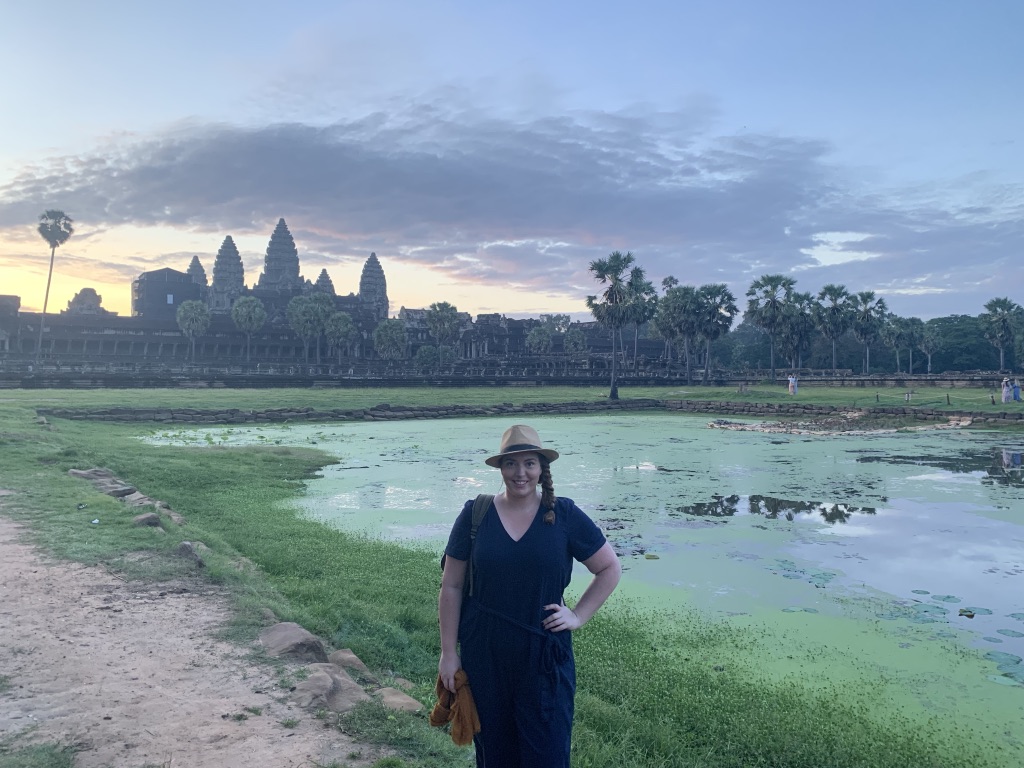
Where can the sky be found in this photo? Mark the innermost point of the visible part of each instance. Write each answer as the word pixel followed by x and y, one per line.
pixel 489 152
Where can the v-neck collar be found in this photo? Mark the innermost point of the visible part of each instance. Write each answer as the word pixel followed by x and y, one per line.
pixel 526 531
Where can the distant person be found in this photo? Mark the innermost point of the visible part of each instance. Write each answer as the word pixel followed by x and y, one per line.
pixel 1006 390
pixel 512 635
pixel 792 384
pixel 1016 390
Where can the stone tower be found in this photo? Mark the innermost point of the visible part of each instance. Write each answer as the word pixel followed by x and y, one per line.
pixel 196 272
pixel 281 264
pixel 324 283
pixel 228 277
pixel 373 288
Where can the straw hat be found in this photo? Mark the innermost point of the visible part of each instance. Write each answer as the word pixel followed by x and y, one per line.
pixel 520 439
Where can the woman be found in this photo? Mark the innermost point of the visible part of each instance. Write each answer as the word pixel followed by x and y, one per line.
pixel 513 635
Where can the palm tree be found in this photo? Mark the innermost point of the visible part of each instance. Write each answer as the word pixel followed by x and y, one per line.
pixel 833 315
pixel 797 327
pixel 389 339
pixel 444 323
pixel 55 228
pixel 611 310
pixel 341 332
pixel 303 319
pixel 893 335
pixel 679 318
pixel 641 304
pixel 868 315
pixel 194 320
pixel 931 341
pixel 248 315
pixel 1002 318
pixel 767 299
pixel 913 331
pixel 717 310
pixel 321 308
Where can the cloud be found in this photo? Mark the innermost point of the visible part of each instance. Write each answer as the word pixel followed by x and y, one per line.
pixel 528 203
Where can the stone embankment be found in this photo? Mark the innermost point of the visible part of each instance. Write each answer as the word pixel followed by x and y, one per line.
pixel 386 412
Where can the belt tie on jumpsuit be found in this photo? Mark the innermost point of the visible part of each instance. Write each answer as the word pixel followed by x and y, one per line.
pixel 553 653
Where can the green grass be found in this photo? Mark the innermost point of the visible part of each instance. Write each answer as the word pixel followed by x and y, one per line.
pixel 38 756
pixel 642 702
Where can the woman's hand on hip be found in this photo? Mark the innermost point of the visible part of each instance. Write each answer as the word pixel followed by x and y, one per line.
pixel 561 619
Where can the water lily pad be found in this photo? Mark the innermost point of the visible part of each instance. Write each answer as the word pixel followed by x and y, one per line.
pixel 1001 657
pixel 992 639
pixel 1010 633
pixel 810 610
pixel 924 620
pixel 888 616
pixel 946 598
pixel 929 608
pixel 793 610
pixel 650 556
pixel 977 611
pixel 1000 680
pixel 945 633
pixel 920 591
pixel 792 576
pixel 1017 616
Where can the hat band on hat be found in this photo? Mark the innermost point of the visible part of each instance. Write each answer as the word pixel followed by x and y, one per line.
pixel 521 447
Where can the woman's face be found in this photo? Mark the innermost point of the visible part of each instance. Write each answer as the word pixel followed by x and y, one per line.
pixel 521 473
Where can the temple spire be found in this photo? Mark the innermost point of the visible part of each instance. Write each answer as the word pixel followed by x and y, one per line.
pixel 373 288
pixel 228 277
pixel 281 264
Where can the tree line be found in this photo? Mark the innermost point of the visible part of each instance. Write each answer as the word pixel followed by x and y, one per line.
pixel 691 318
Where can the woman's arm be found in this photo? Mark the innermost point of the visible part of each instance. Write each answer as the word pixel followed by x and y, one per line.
pixel 607 570
pixel 449 609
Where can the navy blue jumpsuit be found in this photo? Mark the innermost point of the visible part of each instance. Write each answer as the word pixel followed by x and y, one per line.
pixel 523 677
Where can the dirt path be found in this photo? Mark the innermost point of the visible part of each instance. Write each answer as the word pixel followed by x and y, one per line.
pixel 131 675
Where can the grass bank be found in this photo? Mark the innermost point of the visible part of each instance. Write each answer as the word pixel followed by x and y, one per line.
pixel 648 695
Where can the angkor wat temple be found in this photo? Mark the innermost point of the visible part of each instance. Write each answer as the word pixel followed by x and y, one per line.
pixel 86 332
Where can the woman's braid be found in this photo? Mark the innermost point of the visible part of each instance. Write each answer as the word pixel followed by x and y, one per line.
pixel 547 497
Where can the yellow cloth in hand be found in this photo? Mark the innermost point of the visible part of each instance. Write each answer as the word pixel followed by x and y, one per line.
pixel 457 708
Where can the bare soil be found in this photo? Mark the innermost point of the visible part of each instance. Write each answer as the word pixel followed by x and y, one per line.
pixel 132 675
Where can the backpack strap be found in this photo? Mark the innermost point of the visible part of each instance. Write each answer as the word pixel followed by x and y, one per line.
pixel 480 507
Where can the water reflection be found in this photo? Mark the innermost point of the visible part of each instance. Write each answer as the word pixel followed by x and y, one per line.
pixel 998 465
pixel 771 508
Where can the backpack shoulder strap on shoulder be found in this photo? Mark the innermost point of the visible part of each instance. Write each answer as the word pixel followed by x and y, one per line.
pixel 480 507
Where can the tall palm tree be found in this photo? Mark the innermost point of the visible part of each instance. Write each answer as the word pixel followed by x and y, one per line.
pixel 303 319
pixel 679 318
pixel 893 335
pixel 797 327
pixel 913 332
pixel 642 303
pixel 248 315
pixel 931 341
pixel 611 310
pixel 766 306
pixel 55 227
pixel 444 323
pixel 833 314
pixel 1002 318
pixel 194 320
pixel 341 333
pixel 717 310
pixel 868 314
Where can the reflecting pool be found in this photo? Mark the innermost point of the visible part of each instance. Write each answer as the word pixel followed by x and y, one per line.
pixel 896 551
